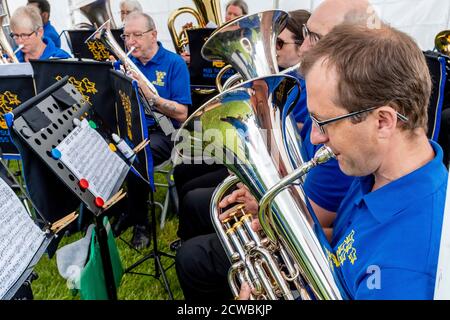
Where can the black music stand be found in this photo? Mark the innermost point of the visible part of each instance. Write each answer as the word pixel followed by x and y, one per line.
pixel 132 125
pixel 37 128
pixel 94 49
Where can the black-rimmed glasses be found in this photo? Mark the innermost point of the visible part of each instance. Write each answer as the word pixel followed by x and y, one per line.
pixel 135 35
pixel 23 36
pixel 313 37
pixel 321 124
pixel 280 43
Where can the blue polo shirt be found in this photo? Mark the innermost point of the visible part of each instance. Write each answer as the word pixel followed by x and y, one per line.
pixel 50 51
pixel 169 74
pixel 326 184
pixel 386 242
pixel 51 33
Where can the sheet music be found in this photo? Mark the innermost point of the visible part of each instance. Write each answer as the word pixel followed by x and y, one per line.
pixel 87 155
pixel 20 238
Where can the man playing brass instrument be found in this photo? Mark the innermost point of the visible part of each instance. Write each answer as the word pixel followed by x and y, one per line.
pixel 169 75
pixel 27 31
pixel 384 141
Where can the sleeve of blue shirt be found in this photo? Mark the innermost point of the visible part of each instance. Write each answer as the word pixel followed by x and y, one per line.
pixel 180 82
pixel 327 185
pixel 395 284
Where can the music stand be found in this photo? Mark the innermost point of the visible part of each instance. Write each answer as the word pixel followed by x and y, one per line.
pixel 39 128
pixel 94 49
pixel 132 125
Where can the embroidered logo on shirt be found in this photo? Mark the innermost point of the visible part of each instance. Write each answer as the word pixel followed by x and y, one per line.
pixel 160 75
pixel 8 100
pixel 345 252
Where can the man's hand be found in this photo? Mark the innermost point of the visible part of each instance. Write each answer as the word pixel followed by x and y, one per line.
pixel 245 292
pixel 242 195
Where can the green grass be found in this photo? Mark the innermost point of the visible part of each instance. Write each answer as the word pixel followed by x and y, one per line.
pixel 51 286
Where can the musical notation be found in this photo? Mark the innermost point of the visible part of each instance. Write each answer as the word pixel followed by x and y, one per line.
pixel 20 238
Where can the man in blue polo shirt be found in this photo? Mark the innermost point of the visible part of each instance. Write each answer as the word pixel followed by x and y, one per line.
pixel 49 30
pixel 387 233
pixel 169 75
pixel 26 30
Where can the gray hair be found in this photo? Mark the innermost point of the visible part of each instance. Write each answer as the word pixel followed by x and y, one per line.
pixel 26 15
pixel 133 5
pixel 134 15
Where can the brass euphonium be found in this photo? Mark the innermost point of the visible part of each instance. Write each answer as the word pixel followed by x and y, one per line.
pixel 442 42
pixel 97 12
pixel 206 11
pixel 243 128
pixel 248 45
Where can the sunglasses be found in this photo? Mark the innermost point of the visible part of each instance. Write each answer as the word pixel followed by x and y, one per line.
pixel 280 43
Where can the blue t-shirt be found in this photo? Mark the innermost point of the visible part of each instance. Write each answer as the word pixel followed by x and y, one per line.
pixel 51 33
pixel 386 242
pixel 169 74
pixel 325 184
pixel 50 51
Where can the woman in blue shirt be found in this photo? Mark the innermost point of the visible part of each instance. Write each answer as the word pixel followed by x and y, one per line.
pixel 27 31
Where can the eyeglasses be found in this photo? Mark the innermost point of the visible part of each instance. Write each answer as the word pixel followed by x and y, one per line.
pixel 136 35
pixel 280 43
pixel 23 36
pixel 313 37
pixel 321 124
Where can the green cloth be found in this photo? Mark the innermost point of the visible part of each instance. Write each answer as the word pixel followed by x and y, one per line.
pixel 92 279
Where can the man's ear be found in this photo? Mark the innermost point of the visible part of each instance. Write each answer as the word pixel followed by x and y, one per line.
pixel 387 121
pixel 45 16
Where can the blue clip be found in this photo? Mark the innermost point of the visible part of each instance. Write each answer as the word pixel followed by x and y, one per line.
pixel 117 64
pixel 9 119
pixel 56 154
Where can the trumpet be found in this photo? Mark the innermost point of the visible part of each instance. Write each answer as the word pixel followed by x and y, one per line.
pixel 206 11
pixel 104 34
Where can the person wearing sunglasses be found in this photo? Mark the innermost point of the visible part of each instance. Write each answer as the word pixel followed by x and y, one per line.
pixel 169 75
pixel 28 33
pixel 201 262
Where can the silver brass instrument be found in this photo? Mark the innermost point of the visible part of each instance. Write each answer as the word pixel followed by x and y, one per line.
pixel 6 51
pixel 242 127
pixel 247 44
pixel 97 12
pixel 104 34
pixel 206 11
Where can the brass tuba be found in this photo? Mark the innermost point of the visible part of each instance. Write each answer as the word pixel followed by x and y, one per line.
pixel 247 44
pixel 243 128
pixel 97 12
pixel 206 11
pixel 442 42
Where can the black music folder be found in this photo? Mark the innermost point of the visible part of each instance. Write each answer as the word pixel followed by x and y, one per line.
pixel 90 78
pixel 203 72
pixel 92 49
pixel 16 86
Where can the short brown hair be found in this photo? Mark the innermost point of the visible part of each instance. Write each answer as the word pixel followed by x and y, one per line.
pixel 295 21
pixel 375 67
